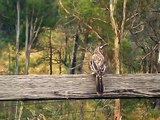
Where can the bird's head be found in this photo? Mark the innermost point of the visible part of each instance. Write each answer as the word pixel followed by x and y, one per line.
pixel 100 48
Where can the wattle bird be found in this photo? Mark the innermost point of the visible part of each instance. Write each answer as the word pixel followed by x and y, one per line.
pixel 98 68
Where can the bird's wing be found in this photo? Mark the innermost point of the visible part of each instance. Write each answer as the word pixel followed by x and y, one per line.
pixel 96 62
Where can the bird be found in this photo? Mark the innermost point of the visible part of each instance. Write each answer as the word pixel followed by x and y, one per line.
pixel 98 68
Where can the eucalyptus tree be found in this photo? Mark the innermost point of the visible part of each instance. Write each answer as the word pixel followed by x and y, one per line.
pixel 88 20
pixel 38 14
pixel 118 30
pixel 17 34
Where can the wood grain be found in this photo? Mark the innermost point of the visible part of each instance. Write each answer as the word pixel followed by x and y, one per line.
pixel 38 87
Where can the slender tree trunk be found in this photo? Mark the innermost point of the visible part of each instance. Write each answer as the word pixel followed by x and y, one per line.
pixel 158 66
pixel 117 109
pixel 17 37
pixel 150 66
pixel 117 112
pixel 9 59
pixel 144 65
pixel 29 37
pixel 26 47
pixel 118 37
pixel 32 30
pixel 60 61
pixel 17 49
pixel 74 53
pixel 16 111
pixel 50 49
pixel 66 47
pixel 121 33
pixel 20 110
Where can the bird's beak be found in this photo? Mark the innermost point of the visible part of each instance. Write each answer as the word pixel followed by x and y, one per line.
pixel 103 46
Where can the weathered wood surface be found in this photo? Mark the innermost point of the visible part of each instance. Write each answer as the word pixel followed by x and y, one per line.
pixel 79 86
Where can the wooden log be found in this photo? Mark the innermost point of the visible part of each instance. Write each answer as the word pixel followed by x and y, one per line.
pixel 38 87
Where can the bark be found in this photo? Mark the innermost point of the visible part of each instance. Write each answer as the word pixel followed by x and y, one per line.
pixel 66 47
pixel 145 65
pixel 20 110
pixel 150 66
pixel 17 36
pixel 9 60
pixel 50 49
pixel 60 61
pixel 16 110
pixel 117 111
pixel 74 52
pixel 159 57
pixel 121 34
pixel 26 47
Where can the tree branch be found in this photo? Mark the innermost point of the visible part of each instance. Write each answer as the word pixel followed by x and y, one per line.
pixel 77 17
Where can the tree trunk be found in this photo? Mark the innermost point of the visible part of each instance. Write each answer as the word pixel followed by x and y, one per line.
pixel 20 110
pixel 9 59
pixel 60 60
pixel 17 37
pixel 26 47
pixel 17 48
pixel 121 34
pixel 16 111
pixel 117 111
pixel 66 47
pixel 32 30
pixel 117 39
pixel 50 49
pixel 74 53
pixel 158 57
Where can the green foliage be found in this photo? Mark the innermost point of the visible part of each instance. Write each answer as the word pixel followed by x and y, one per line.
pixel 36 4
pixel 154 113
pixel 86 8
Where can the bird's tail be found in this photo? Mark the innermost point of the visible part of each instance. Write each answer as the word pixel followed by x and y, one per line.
pixel 99 84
